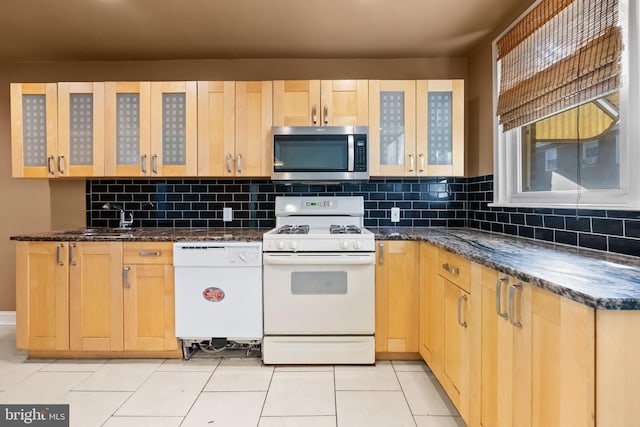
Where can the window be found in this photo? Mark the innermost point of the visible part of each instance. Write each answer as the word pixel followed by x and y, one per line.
pixel 567 107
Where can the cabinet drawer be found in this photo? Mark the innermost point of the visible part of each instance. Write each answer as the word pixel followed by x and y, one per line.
pixel 148 253
pixel 455 269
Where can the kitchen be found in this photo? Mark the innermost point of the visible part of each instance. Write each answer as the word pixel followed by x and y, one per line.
pixel 55 205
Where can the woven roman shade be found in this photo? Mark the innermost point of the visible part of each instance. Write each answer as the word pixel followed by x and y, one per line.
pixel 560 54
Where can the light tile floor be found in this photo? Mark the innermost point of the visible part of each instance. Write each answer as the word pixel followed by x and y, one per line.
pixel 226 392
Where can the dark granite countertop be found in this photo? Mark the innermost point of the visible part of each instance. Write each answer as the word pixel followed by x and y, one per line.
pixel 146 235
pixel 597 279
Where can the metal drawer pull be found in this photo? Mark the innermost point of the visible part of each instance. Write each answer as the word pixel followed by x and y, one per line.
pixel 125 276
pixel 314 114
pixel 229 163
pixel 150 253
pixel 143 163
pixel 421 157
pixel 58 260
pixel 381 253
pixel 154 163
pixel 239 163
pixel 326 115
pixel 512 291
pixel 452 270
pixel 460 299
pixel 60 159
pixel 412 165
pixel 49 160
pixel 498 298
pixel 71 260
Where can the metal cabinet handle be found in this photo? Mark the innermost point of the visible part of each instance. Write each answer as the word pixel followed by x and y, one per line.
pixel 381 253
pixel 461 298
pixel 125 276
pixel 229 162
pixel 314 114
pixel 499 299
pixel 58 259
pixel 60 159
pixel 143 163
pixel 51 171
pixel 451 270
pixel 149 253
pixel 512 291
pixel 326 115
pixel 71 260
pixel 239 163
pixel 412 163
pixel 154 163
pixel 421 157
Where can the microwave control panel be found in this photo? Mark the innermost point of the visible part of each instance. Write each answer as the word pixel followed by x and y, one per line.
pixel 360 155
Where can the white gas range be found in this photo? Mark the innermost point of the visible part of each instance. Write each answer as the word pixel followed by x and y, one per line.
pixel 319 283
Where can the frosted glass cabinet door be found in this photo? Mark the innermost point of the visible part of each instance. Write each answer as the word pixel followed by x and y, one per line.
pixel 174 133
pixel 392 127
pixel 80 129
pixel 440 127
pixel 128 128
pixel 34 129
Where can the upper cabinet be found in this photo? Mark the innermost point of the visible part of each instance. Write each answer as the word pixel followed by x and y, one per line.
pixel 34 129
pixel 392 127
pixel 216 128
pixel 127 128
pixel 440 127
pixel 254 117
pixel 174 140
pixel 320 103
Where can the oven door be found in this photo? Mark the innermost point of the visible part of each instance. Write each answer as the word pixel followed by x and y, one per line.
pixel 319 293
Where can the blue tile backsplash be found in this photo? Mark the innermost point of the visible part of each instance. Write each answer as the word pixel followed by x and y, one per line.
pixel 424 202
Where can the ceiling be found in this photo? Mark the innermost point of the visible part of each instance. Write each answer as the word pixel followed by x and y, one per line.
pixel 69 30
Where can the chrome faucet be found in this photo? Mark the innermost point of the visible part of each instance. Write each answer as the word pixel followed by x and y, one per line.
pixel 124 222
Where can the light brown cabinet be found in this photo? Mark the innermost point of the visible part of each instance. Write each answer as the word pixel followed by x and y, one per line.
pixel 397 308
pixel 77 298
pixel 320 103
pixel 216 128
pixel 254 118
pixel 149 320
pixel 34 130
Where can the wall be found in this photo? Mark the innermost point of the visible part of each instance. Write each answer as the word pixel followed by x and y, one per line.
pixel 37 205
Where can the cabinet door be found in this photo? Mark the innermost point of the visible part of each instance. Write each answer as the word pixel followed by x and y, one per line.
pixel 440 127
pixel 392 127
pixel 174 133
pixel 216 128
pixel 296 103
pixel 80 129
pixel 42 296
pixel 432 314
pixel 149 323
pixel 95 296
pixel 34 129
pixel 127 128
pixel 344 102
pixel 254 108
pixel 562 361
pixel 456 344
pixel 397 288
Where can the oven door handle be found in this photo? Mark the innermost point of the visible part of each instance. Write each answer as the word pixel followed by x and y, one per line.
pixel 317 260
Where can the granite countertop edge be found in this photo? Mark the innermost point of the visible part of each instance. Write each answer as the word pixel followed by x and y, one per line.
pixel 596 279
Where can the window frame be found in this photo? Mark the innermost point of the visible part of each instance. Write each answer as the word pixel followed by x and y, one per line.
pixel 508 167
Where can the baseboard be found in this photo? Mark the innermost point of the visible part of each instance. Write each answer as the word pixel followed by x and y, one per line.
pixel 7 318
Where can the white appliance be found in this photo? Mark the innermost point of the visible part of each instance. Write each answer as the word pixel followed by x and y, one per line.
pixel 218 293
pixel 319 283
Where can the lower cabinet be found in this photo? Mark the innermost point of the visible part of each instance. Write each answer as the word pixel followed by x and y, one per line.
pixel 73 297
pixel 397 308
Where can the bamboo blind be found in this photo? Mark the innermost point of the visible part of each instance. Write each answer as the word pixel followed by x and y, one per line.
pixel 562 53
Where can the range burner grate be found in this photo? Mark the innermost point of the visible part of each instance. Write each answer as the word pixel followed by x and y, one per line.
pixel 344 229
pixel 293 229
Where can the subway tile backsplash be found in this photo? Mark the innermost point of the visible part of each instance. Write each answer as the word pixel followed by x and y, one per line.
pixel 424 202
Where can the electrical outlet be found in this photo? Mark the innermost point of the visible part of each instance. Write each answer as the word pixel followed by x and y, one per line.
pixel 227 214
pixel 395 214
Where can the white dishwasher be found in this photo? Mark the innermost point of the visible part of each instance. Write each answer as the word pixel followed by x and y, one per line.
pixel 218 295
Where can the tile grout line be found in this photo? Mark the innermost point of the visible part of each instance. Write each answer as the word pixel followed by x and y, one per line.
pixel 264 402
pixel 413 417
pixel 335 395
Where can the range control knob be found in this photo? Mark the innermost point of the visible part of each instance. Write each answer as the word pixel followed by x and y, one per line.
pixel 293 245
pixel 280 245
pixel 344 244
pixel 357 244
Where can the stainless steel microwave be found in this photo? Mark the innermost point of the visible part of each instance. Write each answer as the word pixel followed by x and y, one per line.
pixel 320 153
